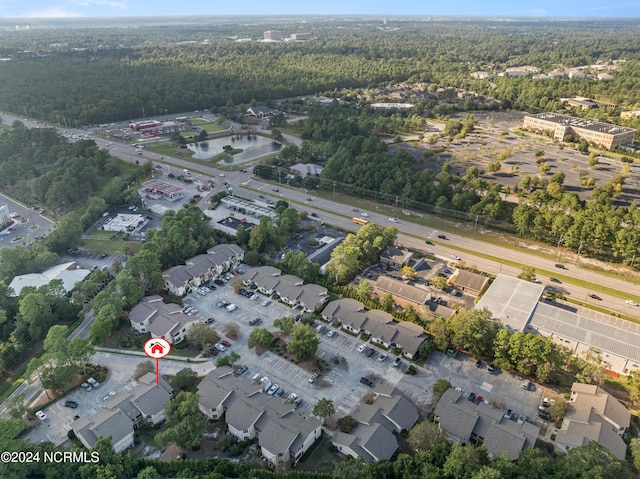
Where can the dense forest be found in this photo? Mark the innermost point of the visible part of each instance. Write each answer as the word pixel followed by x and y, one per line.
pixel 112 73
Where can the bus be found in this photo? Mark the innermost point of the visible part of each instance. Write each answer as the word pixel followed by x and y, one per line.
pixel 359 221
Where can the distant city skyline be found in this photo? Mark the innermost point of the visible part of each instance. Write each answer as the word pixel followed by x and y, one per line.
pixel 422 8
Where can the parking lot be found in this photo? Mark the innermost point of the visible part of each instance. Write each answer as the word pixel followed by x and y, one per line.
pixel 29 226
pixel 342 384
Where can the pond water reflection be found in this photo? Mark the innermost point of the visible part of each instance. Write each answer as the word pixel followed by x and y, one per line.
pixel 253 148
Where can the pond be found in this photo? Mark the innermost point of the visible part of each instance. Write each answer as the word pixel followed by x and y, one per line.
pixel 256 147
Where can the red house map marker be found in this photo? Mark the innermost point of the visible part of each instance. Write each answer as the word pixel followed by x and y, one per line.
pixel 157 348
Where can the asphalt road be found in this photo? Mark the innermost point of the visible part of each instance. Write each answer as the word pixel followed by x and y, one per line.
pixel 340 214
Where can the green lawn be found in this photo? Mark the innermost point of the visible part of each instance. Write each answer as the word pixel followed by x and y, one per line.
pixel 211 127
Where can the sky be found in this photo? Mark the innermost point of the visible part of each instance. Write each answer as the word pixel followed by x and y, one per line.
pixel 135 8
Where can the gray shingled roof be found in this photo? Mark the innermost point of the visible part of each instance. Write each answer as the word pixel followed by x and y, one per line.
pixel 403 290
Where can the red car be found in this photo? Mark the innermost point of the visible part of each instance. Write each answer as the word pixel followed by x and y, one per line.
pixel 213 351
pixel 226 343
pixel 309 199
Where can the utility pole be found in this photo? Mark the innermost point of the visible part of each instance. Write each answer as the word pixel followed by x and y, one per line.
pixel 475 226
pixel 143 113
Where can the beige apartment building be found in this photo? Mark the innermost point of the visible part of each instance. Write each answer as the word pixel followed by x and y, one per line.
pixel 604 135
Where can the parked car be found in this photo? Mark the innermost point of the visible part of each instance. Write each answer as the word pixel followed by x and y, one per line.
pixel 369 352
pixel 209 320
pixel 471 397
pixel 40 415
pixel 366 382
pixel 266 303
pixel 312 378
pixel 226 343
pixel 220 347
pixel 478 363
pixel 241 371
pixel 70 403
pixel 87 387
pixel 382 358
pixel 319 328
pixel 272 390
pixel 331 334
pixel 362 347
pixel 253 297
pixel 491 368
pixel 396 362
pixel 545 415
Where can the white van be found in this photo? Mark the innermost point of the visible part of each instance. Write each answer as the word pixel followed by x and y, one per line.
pixel 231 307
pixel 526 384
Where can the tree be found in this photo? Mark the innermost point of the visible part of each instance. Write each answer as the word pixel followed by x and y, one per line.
pixel 346 424
pixel 285 324
pixel 474 331
pixel 558 408
pixel 528 274
pixel 441 333
pixel 129 289
pixel 149 472
pixel 363 290
pixel 633 385
pixel 386 302
pixel 425 436
pixel 493 167
pixel 185 379
pixel 201 335
pixel 237 283
pixel 324 408
pixel 145 268
pixel 259 337
pixel 17 406
pixel 304 342
pixel 408 272
pixel 441 386
pixel 185 423
pixel 465 461
pixel 438 282
pixel 228 360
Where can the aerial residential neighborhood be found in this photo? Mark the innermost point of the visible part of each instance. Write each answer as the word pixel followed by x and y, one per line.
pixel 389 246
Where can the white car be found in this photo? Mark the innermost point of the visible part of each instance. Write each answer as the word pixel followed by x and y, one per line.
pixel 362 347
pixel 40 415
pixel 272 390
pixel 253 297
pixel 393 220
pixel 457 258
pixel 331 333
pixel 220 347
pixel 364 215
pixel 14 215
pixel 631 302
pixel 221 174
